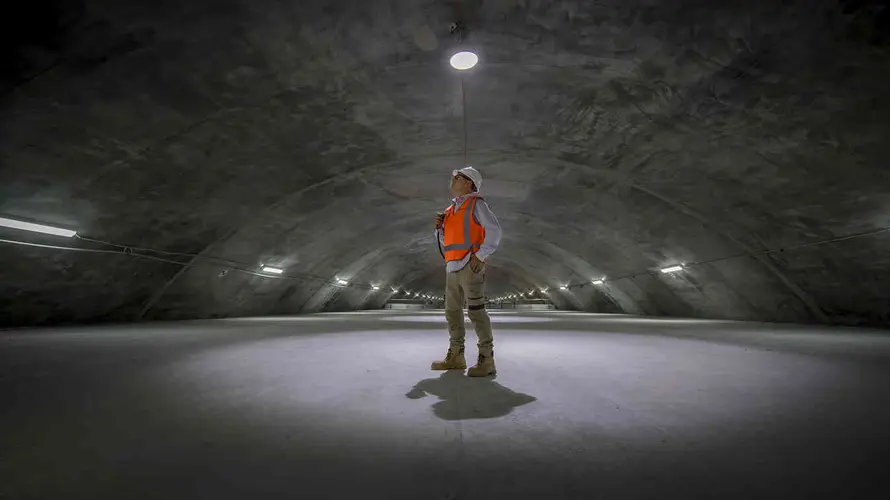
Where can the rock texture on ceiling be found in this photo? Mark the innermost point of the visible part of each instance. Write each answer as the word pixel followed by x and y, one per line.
pixel 748 139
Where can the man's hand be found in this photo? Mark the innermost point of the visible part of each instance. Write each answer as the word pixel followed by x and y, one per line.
pixel 440 219
pixel 475 264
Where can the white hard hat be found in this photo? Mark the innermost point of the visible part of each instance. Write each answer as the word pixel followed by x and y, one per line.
pixel 472 174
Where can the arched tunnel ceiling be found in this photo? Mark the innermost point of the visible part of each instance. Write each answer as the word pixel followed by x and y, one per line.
pixel 615 138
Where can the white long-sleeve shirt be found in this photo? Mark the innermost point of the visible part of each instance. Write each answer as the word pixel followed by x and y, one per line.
pixel 492 240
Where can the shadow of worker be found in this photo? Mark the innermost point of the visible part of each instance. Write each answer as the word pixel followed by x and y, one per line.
pixel 463 398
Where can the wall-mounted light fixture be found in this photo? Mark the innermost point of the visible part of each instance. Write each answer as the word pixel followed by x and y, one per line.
pixel 672 269
pixel 36 228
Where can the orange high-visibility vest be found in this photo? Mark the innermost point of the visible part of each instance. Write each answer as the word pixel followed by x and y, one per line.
pixel 463 233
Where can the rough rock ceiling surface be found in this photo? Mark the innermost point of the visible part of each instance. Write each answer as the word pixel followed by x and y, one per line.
pixel 616 137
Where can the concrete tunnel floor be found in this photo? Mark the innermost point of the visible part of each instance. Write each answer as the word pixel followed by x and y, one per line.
pixel 344 405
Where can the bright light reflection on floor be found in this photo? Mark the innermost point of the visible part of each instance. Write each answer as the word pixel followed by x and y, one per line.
pixel 441 319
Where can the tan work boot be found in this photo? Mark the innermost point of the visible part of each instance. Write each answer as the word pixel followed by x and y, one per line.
pixel 454 360
pixel 485 365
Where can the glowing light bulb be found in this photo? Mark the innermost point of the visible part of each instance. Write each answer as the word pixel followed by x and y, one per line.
pixel 464 60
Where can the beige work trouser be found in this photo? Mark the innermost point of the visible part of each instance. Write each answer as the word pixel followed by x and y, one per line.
pixel 465 284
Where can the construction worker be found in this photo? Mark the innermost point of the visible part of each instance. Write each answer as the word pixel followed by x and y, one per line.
pixel 468 234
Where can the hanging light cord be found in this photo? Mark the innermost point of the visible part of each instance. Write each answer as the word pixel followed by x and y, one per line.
pixel 463 95
pixel 463 98
pixel 463 91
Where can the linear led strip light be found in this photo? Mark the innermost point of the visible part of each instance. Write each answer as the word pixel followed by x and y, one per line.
pixel 36 228
pixel 672 269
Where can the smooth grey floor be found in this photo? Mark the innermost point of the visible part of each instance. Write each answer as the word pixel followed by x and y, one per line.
pixel 345 406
